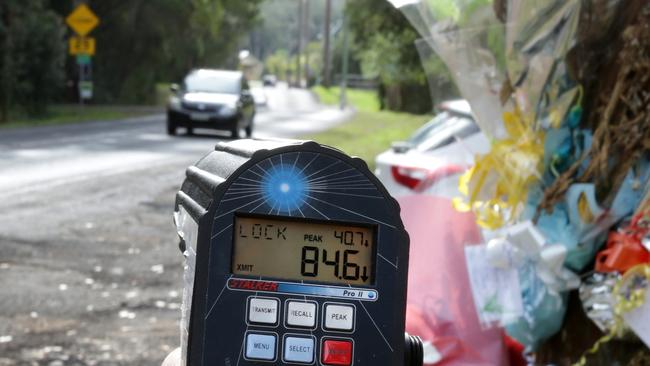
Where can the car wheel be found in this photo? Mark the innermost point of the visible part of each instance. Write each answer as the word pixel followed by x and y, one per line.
pixel 190 131
pixel 171 128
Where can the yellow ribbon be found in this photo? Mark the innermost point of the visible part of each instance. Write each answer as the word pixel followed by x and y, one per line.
pixel 625 302
pixel 496 187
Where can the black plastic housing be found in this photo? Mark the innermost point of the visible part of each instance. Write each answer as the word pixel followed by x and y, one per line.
pixel 217 320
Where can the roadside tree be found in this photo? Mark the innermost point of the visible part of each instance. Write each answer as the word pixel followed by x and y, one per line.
pixel 32 48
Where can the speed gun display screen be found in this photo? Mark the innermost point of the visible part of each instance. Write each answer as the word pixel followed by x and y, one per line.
pixel 303 250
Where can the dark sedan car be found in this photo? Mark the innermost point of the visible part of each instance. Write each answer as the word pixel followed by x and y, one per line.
pixel 214 99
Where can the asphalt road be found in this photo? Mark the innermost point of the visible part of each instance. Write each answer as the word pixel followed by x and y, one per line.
pixel 90 273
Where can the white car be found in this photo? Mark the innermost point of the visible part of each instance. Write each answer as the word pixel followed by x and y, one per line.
pixel 259 96
pixel 431 161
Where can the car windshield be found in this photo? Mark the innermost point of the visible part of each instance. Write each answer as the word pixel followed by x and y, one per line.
pixel 444 129
pixel 212 83
pixel 432 127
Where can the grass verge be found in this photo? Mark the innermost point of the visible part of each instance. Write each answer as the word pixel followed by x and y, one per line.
pixel 65 114
pixel 369 133
pixel 362 100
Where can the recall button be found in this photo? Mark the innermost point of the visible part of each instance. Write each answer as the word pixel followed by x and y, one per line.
pixel 299 349
pixel 339 317
pixel 301 314
pixel 263 310
pixel 337 352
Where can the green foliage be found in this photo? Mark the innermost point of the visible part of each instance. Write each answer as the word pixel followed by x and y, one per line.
pixel 314 52
pixel 385 42
pixel 279 64
pixel 32 45
pixel 142 42
pixel 384 45
pixel 275 39
pixel 139 42
pixel 445 9
pixel 283 65
pixel 387 60
pixel 278 28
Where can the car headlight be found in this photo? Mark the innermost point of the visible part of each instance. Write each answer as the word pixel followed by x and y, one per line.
pixel 175 103
pixel 227 111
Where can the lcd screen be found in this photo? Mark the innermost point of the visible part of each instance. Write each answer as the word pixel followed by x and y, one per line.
pixel 304 250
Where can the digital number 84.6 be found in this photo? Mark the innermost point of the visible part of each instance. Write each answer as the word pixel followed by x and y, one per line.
pixel 350 270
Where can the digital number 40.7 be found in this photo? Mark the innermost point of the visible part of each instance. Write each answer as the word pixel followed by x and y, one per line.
pixel 349 237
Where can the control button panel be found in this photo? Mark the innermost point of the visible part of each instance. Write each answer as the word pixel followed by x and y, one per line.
pixel 301 314
pixel 299 349
pixel 261 346
pixel 262 310
pixel 336 352
pixel 338 317
pixel 296 348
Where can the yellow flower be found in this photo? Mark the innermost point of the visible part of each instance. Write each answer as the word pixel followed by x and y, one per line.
pixel 496 187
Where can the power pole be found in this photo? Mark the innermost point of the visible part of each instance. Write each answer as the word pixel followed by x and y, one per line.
pixel 327 82
pixel 299 50
pixel 344 68
pixel 305 34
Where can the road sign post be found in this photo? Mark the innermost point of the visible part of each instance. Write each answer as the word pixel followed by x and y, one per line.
pixel 86 89
pixel 82 20
pixel 83 59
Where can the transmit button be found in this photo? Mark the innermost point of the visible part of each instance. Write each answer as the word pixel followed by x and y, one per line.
pixel 301 314
pixel 260 346
pixel 299 349
pixel 263 310
pixel 337 352
pixel 339 317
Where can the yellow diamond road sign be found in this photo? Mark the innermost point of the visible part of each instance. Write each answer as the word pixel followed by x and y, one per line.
pixel 82 20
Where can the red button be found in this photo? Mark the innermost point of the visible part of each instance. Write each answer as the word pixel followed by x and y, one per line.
pixel 337 352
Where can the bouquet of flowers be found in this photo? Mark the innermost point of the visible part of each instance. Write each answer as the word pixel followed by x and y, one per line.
pixel 562 90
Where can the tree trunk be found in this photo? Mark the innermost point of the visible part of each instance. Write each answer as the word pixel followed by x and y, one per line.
pixel 299 48
pixel 6 66
pixel 602 60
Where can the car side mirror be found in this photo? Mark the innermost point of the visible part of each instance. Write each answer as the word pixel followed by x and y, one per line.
pixel 174 88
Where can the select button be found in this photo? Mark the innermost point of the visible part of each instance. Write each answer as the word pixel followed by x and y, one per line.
pixel 299 349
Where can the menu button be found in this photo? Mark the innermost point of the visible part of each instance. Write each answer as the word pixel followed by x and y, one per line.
pixel 260 346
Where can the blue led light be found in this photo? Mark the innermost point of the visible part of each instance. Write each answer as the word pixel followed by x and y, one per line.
pixel 285 188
